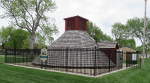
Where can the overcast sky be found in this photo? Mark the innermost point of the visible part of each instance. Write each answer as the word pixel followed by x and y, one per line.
pixel 104 13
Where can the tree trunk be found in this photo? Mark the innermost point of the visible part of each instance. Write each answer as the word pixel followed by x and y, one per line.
pixel 3 45
pixel 146 48
pixel 32 41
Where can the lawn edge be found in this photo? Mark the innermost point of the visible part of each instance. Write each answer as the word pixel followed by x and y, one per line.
pixel 104 74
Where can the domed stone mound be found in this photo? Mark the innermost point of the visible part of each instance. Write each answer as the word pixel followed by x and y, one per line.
pixel 74 39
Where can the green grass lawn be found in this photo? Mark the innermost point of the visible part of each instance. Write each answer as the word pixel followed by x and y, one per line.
pixel 11 74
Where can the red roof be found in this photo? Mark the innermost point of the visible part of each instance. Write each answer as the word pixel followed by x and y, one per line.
pixel 75 17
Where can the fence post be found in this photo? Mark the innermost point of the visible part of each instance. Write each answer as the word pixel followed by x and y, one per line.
pixel 122 59
pixel 126 60
pixel 15 55
pixel 109 62
pixel 140 63
pixel 66 58
pixel 5 56
pixel 23 59
pixel 138 59
pixel 95 61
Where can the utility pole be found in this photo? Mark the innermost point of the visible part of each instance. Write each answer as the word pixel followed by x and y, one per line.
pixel 144 30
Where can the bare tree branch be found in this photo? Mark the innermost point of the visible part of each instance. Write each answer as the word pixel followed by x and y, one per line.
pixel 29 14
pixel 16 21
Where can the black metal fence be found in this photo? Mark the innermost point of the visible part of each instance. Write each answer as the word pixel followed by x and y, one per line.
pixel 88 61
pixel 133 58
pixel 23 56
pixel 2 51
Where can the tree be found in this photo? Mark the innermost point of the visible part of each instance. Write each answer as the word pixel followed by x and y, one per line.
pixel 5 35
pixel 127 43
pixel 133 29
pixel 96 33
pixel 13 38
pixel 29 15
pixel 17 39
pixel 40 41
pixel 135 26
pixel 121 34
pixel 120 31
pixel 47 33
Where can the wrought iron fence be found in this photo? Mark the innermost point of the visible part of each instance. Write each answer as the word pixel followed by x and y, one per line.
pixel 23 56
pixel 87 61
pixel 133 58
pixel 2 51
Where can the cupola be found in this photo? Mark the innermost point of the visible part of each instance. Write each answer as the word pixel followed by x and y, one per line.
pixel 76 23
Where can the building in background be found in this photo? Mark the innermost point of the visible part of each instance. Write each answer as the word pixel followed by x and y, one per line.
pixel 130 56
